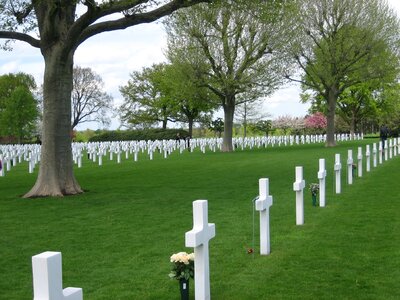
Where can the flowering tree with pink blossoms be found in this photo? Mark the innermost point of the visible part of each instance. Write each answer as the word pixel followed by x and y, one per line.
pixel 288 124
pixel 317 122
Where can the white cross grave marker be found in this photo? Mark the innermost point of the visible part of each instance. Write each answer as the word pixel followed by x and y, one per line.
pixel 368 158
pixel 385 149
pixel 298 187
pixel 338 168
pixel 390 149
pixel 398 145
pixel 374 153
pixel 198 238
pixel 262 205
pixel 380 152
pixel 350 166
pixel 47 278
pixel 359 166
pixel 321 177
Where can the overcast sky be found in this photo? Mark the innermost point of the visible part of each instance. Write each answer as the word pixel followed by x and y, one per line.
pixel 115 55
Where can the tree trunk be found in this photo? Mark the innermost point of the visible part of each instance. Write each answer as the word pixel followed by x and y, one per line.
pixel 330 118
pixel 164 123
pixel 56 176
pixel 352 125
pixel 229 110
pixel 245 120
pixel 190 121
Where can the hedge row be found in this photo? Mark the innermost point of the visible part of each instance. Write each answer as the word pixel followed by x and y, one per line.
pixel 137 135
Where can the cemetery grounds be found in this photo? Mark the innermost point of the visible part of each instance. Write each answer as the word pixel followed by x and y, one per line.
pixel 116 239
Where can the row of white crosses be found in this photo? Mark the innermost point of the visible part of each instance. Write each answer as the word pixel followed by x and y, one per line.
pixel 11 155
pixel 299 184
pixel 97 150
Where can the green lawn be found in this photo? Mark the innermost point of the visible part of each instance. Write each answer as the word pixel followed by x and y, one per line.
pixel 116 239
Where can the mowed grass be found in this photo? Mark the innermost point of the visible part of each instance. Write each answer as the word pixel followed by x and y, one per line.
pixel 116 239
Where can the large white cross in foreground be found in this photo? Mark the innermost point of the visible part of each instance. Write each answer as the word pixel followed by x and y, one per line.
pixel 298 187
pixel 198 238
pixel 47 279
pixel 263 204
pixel 321 176
pixel 338 168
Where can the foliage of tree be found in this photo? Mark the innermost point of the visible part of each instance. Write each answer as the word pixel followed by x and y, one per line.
pixel 165 92
pixel 357 104
pixel 145 102
pixel 57 28
pixel 9 82
pixel 192 102
pixel 19 116
pixel 264 126
pixel 340 44
pixel 217 126
pixel 387 99
pixel 18 106
pixel 89 101
pixel 238 44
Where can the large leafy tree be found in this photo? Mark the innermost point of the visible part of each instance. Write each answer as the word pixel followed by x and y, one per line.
pixel 145 99
pixel 356 104
pixel 342 43
pixel 89 100
pixel 56 29
pixel 239 43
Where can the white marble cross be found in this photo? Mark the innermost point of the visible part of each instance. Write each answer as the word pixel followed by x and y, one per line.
pixel 398 145
pixel 198 238
pixel 298 187
pixel 380 152
pixel 321 177
pixel 263 204
pixel 338 168
pixel 385 149
pixel 47 279
pixel 390 148
pixel 359 165
pixel 350 166
pixel 368 158
pixel 374 154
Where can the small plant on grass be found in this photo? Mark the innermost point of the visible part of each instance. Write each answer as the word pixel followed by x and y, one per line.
pixel 314 188
pixel 182 266
pixel 353 168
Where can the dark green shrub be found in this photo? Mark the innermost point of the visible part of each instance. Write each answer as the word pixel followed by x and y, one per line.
pixel 137 135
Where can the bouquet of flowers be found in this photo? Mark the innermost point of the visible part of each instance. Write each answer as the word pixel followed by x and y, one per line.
pixel 314 188
pixel 182 266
